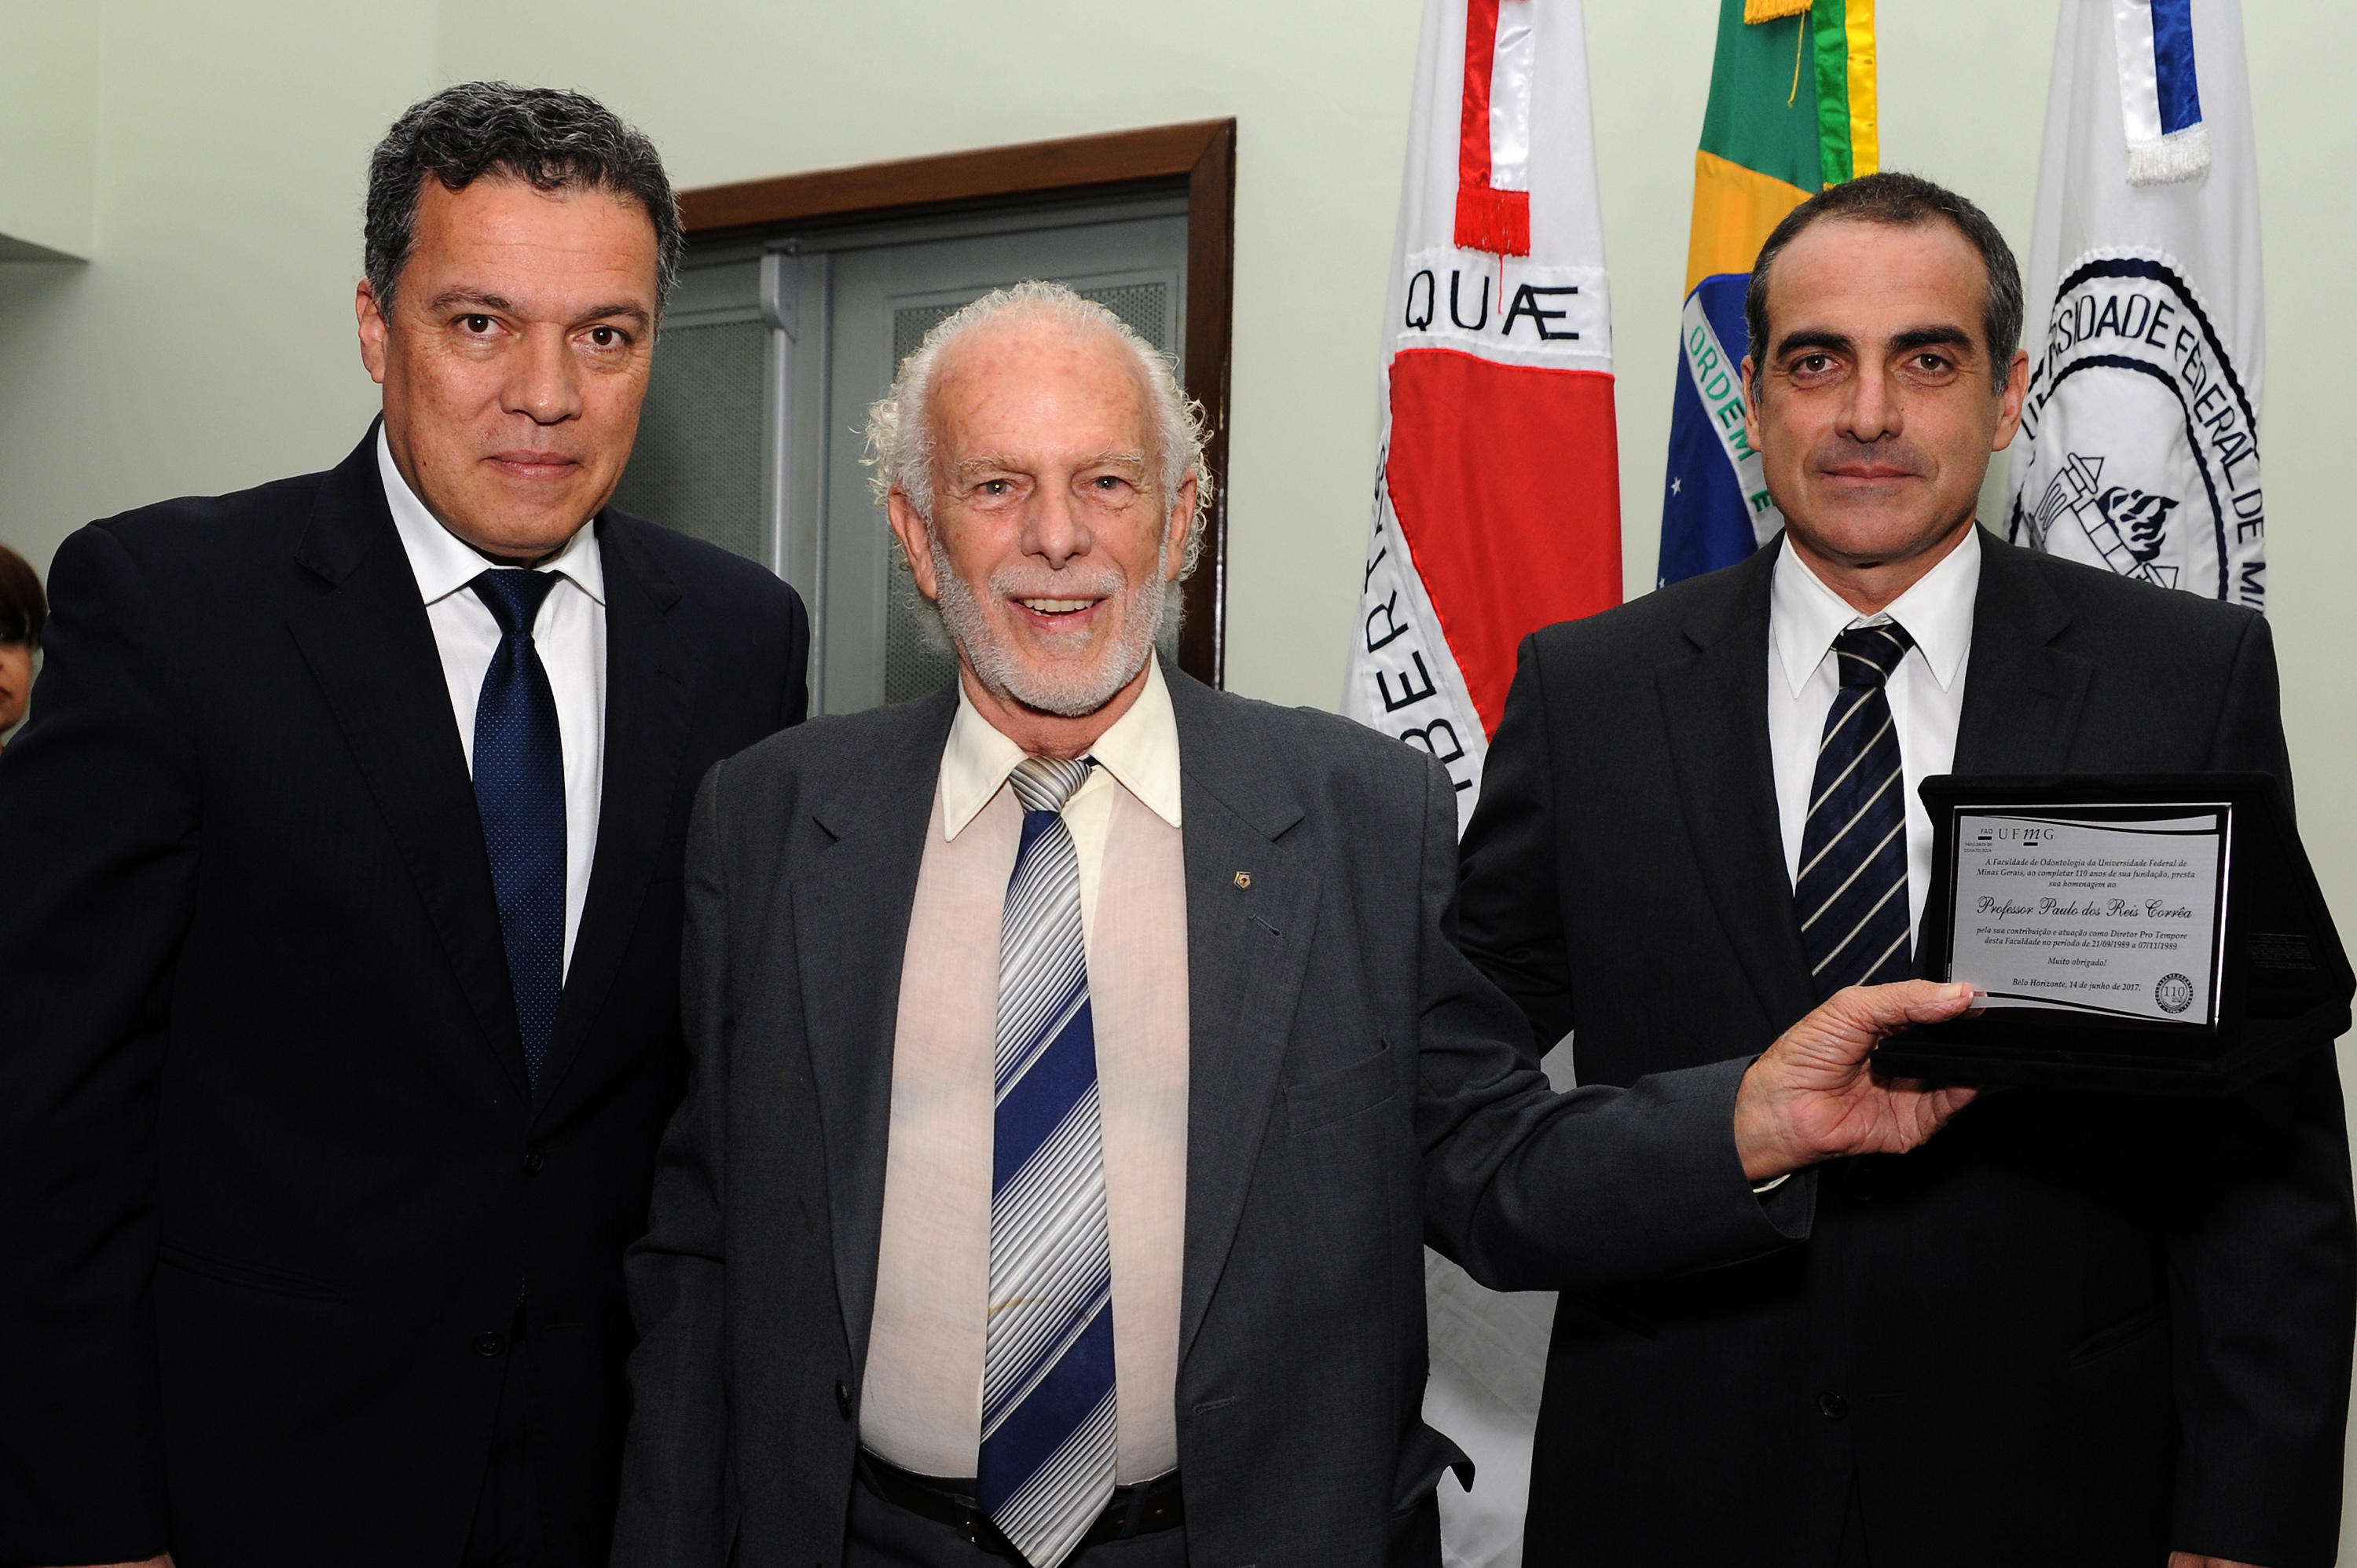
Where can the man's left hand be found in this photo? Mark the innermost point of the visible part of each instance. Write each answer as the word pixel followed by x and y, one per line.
pixel 2195 1560
pixel 1812 1095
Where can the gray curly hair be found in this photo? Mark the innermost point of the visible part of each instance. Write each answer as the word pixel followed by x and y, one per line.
pixel 900 432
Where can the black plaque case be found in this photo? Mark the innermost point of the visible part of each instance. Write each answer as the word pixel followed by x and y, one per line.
pixel 2284 983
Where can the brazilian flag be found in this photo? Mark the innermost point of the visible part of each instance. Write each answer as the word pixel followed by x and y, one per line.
pixel 1792 112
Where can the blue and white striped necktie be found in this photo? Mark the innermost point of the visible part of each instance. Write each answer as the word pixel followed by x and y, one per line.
pixel 1050 1418
pixel 1851 892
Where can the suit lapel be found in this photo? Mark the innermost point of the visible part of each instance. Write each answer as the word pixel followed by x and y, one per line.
pixel 852 901
pixel 1715 708
pixel 371 647
pixel 2022 696
pixel 650 700
pixel 1247 949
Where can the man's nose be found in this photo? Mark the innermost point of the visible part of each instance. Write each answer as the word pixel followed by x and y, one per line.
pixel 1873 410
pixel 1057 532
pixel 543 384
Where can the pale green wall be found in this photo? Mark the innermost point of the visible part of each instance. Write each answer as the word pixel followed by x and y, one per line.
pixel 208 343
pixel 48 126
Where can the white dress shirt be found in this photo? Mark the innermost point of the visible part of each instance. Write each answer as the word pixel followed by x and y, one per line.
pixel 569 631
pixel 1926 691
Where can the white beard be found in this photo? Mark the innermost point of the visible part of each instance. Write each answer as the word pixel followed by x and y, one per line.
pixel 1069 691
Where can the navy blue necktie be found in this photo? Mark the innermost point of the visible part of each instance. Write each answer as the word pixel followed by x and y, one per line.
pixel 1852 888
pixel 520 791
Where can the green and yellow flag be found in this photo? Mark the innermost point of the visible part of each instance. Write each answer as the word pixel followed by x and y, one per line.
pixel 1792 112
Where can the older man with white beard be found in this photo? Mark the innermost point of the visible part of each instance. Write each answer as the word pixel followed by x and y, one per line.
pixel 1081 1060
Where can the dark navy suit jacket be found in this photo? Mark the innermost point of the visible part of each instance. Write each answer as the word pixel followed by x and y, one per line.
pixel 2074 1329
pixel 270 1173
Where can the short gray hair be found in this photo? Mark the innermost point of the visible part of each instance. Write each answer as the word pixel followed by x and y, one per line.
pixel 899 425
pixel 550 139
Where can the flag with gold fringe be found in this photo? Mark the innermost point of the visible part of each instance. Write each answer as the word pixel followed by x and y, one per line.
pixel 1792 111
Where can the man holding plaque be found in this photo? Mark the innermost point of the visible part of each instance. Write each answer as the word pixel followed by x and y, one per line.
pixel 2080 1329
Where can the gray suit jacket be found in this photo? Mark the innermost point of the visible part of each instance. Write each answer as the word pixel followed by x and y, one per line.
pixel 1356 1089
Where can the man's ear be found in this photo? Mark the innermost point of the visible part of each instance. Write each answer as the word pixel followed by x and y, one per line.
pixel 1751 403
pixel 1183 523
pixel 374 330
pixel 2010 402
pixel 917 539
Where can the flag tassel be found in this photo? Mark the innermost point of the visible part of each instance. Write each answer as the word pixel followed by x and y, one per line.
pixel 2176 156
pixel 1494 220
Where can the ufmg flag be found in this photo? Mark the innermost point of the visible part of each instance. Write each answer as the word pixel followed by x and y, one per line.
pixel 1497 489
pixel 2139 445
pixel 1792 111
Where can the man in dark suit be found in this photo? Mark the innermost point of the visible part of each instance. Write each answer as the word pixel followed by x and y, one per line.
pixel 1081 1060
pixel 341 932
pixel 2079 1330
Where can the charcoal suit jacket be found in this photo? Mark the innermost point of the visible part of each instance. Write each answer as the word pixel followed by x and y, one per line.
pixel 270 1175
pixel 1354 1087
pixel 2074 1329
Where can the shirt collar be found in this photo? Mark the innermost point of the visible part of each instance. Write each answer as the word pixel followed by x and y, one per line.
pixel 444 563
pixel 1141 752
pixel 1804 615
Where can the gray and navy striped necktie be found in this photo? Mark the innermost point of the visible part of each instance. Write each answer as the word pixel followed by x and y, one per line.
pixel 1050 1417
pixel 1852 888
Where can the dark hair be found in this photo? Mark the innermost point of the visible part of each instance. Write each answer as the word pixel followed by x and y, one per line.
pixel 1902 201
pixel 24 609
pixel 550 139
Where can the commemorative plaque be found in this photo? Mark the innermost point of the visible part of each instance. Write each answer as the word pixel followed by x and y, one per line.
pixel 2147 933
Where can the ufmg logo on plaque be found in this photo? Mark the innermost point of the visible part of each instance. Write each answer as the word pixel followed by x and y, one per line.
pixel 2142 445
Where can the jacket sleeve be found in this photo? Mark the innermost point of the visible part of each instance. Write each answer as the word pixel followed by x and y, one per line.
pixel 1529 1189
pixel 678 1507
pixel 2262 1264
pixel 98 826
pixel 1510 918
pixel 793 705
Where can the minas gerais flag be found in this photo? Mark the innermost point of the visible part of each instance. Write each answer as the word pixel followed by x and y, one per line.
pixel 1497 488
pixel 1497 511
pixel 1792 111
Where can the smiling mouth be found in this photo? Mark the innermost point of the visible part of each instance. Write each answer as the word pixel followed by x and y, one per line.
pixel 1057 606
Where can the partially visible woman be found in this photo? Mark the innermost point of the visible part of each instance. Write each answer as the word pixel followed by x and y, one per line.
pixel 23 609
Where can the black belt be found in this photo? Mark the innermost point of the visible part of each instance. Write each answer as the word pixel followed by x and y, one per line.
pixel 1142 1509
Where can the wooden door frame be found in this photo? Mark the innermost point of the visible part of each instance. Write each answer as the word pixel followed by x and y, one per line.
pixel 1200 159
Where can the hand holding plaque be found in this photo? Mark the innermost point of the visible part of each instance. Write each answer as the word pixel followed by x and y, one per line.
pixel 2153 933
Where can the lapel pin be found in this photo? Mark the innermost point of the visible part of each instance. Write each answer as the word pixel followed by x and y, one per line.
pixel 1244 879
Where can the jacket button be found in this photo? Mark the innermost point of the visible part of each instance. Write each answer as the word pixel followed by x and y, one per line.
pixel 533 1162
pixel 1832 1406
pixel 842 1399
pixel 490 1344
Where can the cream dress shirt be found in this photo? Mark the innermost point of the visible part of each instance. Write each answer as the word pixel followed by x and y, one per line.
pixel 1926 691
pixel 922 1405
pixel 569 631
